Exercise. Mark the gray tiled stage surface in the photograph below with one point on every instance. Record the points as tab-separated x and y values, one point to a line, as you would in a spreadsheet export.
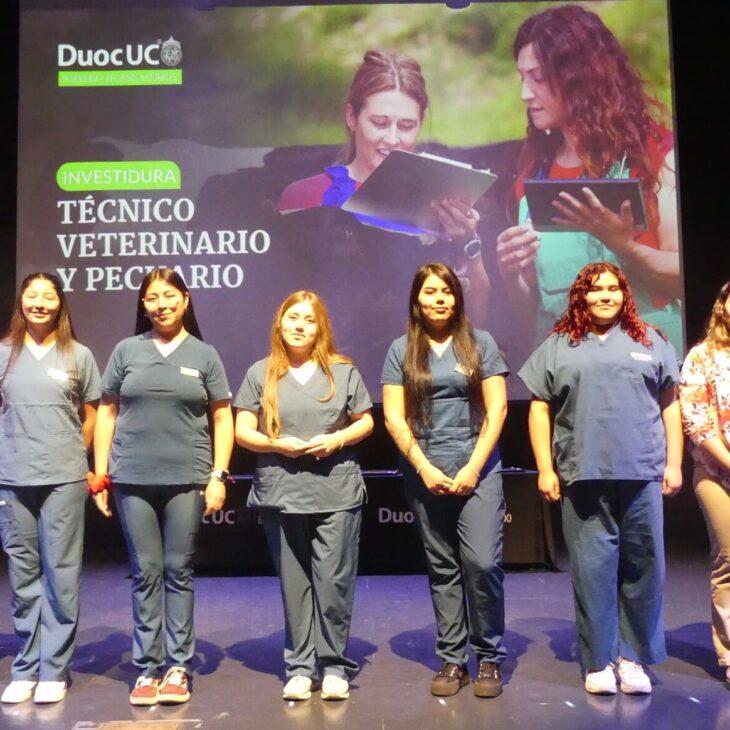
238	671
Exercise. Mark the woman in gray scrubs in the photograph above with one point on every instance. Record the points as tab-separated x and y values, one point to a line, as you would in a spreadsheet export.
445	402
160	391
301	410
49	391
609	380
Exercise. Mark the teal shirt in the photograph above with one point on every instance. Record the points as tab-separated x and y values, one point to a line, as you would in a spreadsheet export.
604	395
305	484
450	440
41	441
162	434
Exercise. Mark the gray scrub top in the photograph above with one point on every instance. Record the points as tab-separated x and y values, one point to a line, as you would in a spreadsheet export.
162	434
449	442
305	484
604	395
40	426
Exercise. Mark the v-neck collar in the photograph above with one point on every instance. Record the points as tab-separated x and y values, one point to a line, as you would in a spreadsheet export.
310	387
40	353
446	346
164	351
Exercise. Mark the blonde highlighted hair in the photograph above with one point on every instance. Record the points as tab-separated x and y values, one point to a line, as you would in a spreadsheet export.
324	354
717	334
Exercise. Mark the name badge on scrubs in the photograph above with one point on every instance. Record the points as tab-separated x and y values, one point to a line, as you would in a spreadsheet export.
642	356
59	375
461	369
192	372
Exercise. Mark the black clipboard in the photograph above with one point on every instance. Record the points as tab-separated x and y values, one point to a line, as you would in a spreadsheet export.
402	188
610	191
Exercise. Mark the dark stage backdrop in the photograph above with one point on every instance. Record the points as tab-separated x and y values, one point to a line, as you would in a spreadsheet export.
698	40
165	135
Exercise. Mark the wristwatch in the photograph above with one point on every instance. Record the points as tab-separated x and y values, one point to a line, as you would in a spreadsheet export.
473	248
220	474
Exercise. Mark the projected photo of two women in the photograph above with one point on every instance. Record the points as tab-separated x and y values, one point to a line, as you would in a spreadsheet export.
282	114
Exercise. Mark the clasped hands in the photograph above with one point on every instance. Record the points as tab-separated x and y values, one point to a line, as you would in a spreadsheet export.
319	446
437	482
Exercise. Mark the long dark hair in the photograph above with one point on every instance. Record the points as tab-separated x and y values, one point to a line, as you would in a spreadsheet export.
576	323
171	277
417	380
608	111
65	335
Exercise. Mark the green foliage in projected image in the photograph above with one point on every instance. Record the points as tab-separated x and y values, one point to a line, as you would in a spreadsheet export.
294	64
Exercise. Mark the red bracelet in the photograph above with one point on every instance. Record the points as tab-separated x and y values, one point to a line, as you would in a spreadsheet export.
96	483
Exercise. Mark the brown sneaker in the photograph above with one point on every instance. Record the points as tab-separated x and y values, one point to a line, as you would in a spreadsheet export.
145	692
174	689
449	680
488	682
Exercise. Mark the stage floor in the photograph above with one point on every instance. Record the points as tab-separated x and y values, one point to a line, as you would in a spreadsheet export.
238	672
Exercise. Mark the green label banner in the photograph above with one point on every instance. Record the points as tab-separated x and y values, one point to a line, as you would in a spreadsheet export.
131	175
125	77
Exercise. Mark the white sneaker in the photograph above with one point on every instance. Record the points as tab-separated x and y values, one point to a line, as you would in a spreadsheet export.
335	688
298	687
19	690
49	692
634	680
602	682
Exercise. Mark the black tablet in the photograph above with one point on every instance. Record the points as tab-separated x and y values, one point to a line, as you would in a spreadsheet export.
611	192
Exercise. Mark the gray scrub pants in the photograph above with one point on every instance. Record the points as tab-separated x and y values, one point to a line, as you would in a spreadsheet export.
42	530
462	537
161	526
614	534
316	559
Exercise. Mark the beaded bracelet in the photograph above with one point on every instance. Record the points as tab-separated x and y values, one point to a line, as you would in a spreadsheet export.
96	483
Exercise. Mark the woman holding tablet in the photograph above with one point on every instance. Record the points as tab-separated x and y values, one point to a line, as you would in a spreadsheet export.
589	116
384	111
704	393
444	400
301	410
152	446
606	432
49	390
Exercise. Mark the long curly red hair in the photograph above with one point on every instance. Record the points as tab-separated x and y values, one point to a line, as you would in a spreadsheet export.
576	323
608	111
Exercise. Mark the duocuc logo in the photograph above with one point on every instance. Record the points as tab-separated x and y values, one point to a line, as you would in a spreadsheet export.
128	65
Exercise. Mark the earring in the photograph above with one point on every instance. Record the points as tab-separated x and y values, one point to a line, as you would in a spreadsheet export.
548	132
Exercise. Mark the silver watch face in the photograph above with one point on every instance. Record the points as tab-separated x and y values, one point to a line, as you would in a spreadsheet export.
473	248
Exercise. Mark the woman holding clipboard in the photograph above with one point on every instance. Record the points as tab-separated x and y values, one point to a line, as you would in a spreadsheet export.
589	116
384	111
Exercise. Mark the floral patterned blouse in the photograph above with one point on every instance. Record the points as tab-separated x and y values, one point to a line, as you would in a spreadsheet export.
704	393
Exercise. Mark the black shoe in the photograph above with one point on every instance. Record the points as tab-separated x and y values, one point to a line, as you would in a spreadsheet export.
449	680
488	682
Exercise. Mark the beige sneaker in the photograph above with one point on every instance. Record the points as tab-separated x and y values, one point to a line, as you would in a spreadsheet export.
335	688
602	682
19	690
46	693
634	680
298	687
